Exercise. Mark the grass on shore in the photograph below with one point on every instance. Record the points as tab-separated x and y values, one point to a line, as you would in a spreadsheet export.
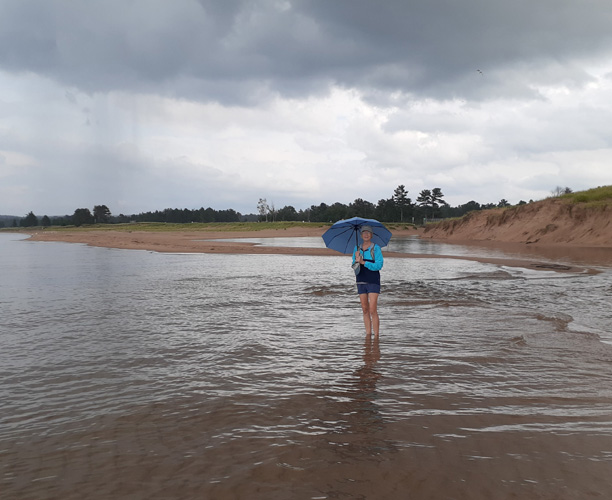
597	196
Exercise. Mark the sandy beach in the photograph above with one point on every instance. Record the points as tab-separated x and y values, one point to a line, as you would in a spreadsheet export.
186	241
215	242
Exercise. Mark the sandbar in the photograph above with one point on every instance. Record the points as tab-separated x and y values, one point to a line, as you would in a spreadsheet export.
216	242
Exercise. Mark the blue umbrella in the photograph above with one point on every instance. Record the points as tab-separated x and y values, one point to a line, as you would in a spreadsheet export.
344	235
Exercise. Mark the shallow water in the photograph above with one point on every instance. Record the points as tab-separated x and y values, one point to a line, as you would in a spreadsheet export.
132	374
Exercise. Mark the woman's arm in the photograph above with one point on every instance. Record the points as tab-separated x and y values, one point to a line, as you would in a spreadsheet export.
378	260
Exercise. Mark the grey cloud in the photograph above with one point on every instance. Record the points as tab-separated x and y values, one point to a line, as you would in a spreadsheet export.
120	176
468	90
242	51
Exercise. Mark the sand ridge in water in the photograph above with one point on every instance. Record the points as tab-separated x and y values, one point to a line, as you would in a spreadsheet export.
214	242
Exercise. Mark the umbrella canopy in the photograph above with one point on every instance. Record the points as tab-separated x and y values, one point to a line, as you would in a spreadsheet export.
345	234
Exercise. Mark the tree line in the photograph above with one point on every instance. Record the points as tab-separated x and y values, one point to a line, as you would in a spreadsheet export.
101	214
429	204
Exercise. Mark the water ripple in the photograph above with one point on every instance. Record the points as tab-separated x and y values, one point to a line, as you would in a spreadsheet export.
141	375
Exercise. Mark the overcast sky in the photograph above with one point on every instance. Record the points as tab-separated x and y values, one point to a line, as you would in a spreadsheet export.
150	104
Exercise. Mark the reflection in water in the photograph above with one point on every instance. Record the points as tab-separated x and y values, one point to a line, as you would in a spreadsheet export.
367	377
367	420
357	435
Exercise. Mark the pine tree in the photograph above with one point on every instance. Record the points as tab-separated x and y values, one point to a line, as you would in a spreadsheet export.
400	197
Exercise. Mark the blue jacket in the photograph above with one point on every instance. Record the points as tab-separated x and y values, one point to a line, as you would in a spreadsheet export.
369	272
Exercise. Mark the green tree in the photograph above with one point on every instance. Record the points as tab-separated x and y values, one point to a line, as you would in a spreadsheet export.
437	199
503	203
318	213
401	200
229	215
263	209
82	216
362	208
431	199
424	200
287	213
335	212
29	220
386	210
101	214
470	206
46	222
206	215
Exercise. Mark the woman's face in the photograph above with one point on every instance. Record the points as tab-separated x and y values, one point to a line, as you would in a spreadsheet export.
366	235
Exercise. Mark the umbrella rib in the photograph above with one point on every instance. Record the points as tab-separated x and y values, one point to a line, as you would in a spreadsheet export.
340	234
352	229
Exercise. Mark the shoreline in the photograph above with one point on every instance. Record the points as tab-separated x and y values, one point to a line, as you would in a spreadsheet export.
214	242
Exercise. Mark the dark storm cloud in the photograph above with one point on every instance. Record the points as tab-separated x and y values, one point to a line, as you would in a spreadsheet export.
245	51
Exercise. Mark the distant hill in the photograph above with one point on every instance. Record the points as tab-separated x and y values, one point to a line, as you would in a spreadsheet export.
582	219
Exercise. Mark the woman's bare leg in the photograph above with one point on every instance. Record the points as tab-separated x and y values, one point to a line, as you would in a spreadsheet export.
373	309
365	308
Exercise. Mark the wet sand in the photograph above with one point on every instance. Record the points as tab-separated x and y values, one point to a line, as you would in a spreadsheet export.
198	241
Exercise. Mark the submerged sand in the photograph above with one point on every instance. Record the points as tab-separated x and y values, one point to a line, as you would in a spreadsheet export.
207	241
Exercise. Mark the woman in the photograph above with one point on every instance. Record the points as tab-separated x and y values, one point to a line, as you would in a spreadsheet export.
370	258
